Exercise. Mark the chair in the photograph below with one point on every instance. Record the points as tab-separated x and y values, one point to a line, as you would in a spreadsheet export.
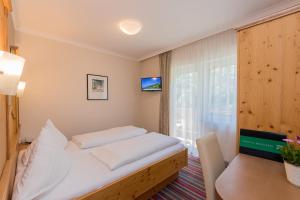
212	162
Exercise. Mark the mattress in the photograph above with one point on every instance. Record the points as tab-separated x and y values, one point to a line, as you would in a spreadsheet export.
88	174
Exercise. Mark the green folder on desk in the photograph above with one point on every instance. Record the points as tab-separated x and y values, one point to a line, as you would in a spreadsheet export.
261	144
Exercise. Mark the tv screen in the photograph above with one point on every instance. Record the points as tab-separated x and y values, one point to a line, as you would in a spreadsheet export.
151	84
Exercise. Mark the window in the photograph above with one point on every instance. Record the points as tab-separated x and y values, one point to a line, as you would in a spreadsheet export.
203	91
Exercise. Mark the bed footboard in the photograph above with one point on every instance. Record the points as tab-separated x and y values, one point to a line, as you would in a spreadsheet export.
143	183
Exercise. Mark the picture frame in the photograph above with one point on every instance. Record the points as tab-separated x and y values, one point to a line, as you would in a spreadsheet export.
97	87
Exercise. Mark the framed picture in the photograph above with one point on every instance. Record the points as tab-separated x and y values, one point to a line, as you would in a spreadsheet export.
97	87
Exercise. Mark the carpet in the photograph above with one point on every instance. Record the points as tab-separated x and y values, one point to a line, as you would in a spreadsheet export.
188	186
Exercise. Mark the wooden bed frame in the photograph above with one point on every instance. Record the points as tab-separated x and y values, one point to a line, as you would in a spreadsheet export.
140	185
144	183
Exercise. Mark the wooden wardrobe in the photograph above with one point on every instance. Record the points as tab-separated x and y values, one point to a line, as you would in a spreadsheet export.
4	10
9	117
269	76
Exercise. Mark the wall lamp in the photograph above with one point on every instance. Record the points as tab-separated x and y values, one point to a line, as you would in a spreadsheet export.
11	67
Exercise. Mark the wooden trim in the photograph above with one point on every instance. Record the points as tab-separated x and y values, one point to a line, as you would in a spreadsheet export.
3	135
238	95
7	5
15	111
12	136
7	127
7	173
7	178
151	192
141	184
274	16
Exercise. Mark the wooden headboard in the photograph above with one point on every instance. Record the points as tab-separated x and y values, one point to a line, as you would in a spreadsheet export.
9	134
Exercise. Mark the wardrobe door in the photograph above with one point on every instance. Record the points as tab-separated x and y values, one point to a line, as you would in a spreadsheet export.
260	76
3	130
290	120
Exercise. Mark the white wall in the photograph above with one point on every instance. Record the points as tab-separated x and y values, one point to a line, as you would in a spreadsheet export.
55	74
150	101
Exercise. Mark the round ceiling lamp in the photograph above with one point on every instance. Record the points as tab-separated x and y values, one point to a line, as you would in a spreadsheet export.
130	26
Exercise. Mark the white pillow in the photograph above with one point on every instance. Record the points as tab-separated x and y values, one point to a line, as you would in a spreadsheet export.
55	137
100	138
49	135
40	170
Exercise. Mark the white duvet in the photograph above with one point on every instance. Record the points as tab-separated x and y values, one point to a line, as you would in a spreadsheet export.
118	154
87	173
100	138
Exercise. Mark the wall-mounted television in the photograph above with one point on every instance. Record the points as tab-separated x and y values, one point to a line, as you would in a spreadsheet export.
151	84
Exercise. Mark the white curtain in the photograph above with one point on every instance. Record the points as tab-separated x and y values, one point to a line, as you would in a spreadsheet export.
203	92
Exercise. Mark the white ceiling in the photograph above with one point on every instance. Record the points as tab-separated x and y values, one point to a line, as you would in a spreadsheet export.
166	23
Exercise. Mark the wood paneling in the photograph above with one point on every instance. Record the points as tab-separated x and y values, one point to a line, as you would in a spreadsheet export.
3	46
3	145
8	177
7	5
290	116
12	124
3	26
154	190
12	118
8	134
269	76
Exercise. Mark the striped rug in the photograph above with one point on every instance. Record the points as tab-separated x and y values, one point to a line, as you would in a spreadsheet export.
188	186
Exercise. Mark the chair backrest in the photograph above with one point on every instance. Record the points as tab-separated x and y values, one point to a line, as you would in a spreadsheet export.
212	162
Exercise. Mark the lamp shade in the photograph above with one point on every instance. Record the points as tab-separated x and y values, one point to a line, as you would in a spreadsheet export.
130	26
21	88
11	67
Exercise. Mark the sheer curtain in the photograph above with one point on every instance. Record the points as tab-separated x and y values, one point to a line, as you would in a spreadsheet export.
203	91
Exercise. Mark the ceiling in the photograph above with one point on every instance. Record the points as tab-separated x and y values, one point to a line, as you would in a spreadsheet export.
166	23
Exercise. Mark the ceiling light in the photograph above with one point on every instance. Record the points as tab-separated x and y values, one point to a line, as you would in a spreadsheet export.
130	26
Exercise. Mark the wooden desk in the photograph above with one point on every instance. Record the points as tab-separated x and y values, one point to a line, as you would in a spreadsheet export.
253	178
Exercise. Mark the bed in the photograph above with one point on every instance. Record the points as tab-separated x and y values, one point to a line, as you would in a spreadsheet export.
91	179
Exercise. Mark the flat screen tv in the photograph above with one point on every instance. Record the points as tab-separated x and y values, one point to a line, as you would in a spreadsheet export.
151	84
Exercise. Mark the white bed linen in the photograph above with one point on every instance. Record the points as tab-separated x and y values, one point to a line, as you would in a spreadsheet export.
87	173
118	154
99	138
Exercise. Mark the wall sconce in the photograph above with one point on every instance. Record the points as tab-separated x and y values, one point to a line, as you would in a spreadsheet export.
11	67
21	88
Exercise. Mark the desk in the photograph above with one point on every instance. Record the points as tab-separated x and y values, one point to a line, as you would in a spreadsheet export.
253	178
